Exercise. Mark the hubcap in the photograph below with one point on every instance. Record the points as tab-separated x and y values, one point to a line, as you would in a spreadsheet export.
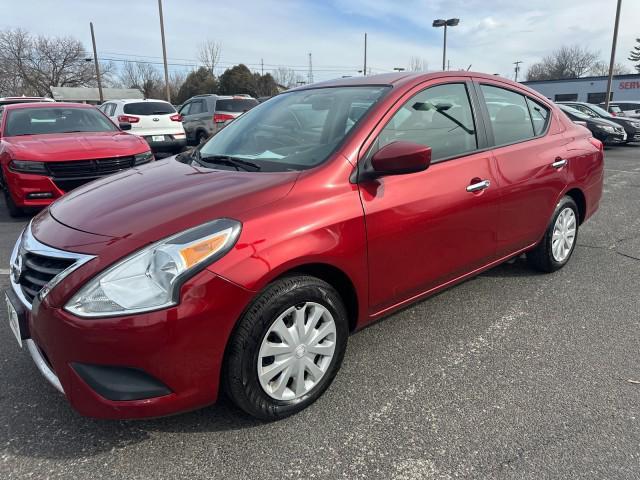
296	351
564	234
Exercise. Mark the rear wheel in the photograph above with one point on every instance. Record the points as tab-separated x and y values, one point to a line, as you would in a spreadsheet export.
201	137
556	247
287	348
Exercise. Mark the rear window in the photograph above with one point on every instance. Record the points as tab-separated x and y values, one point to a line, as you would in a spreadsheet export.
235	105
149	108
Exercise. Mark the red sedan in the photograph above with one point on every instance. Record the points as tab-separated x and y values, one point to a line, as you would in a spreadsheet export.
244	265
47	149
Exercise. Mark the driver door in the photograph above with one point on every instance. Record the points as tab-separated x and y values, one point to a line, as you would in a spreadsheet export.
428	228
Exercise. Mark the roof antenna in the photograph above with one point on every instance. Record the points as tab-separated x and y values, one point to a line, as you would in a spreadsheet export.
469	67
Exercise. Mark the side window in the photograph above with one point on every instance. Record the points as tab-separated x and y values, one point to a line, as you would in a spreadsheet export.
539	116
439	117
196	107
185	109
509	115
109	110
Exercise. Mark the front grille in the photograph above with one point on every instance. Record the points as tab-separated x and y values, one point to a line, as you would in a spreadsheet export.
89	168
38	270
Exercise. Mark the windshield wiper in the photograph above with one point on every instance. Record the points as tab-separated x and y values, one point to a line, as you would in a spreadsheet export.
227	160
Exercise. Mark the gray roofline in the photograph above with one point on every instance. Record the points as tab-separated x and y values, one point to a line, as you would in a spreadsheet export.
627	76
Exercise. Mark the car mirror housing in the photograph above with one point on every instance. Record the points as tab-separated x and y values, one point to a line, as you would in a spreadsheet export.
401	157
124	126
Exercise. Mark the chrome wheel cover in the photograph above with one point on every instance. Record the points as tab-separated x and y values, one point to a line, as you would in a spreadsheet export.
296	351
564	234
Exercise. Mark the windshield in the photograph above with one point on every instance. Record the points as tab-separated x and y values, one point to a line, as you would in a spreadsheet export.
148	108
600	111
36	121
296	130
574	112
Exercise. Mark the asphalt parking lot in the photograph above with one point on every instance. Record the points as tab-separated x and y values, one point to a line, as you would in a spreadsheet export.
513	374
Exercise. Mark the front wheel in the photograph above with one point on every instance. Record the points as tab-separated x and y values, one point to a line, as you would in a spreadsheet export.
287	348
14	210
556	247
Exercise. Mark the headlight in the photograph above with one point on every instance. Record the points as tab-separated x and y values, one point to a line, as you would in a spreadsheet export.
150	279
28	166
606	128
145	157
635	124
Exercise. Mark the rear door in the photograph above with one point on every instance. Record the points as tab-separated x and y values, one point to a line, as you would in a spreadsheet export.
427	228
531	162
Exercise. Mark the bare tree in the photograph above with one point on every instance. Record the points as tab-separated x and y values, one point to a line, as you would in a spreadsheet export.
565	62
417	64
38	63
209	54
144	77
176	80
601	68
286	77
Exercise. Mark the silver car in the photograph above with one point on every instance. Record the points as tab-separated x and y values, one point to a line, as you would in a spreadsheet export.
204	115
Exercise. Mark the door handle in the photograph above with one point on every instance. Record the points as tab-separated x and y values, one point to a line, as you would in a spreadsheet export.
476	187
559	163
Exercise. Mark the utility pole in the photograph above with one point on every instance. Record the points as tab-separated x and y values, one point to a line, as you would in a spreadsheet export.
517	64
262	66
613	56
164	54
310	74
95	59
365	55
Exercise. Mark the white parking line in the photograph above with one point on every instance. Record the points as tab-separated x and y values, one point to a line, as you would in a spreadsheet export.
4	271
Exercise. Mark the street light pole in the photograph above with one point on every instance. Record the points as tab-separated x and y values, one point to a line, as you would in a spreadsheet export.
613	56
95	60
164	54
451	22
517	64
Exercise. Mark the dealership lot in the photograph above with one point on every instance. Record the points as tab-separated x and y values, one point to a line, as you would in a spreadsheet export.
513	374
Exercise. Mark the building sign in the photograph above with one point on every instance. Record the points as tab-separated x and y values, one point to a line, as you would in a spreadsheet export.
629	85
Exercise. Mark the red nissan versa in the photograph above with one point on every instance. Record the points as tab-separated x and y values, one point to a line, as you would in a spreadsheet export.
243	266
47	149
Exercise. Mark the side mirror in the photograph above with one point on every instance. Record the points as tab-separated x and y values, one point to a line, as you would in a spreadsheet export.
401	157
124	126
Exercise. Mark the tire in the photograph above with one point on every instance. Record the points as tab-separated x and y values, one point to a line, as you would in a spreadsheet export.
254	334
14	210
542	257
201	137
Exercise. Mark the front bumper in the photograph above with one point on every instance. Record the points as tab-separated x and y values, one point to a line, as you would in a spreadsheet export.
23	187
180	348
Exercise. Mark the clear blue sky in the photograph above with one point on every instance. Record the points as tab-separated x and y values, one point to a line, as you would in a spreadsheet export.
492	33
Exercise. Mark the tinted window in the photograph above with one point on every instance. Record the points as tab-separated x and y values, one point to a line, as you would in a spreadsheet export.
235	105
186	109
293	131
597	97
197	106
439	117
539	115
566	97
33	121
148	108
509	115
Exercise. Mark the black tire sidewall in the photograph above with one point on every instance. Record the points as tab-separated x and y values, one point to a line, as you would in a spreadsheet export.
248	393
562	204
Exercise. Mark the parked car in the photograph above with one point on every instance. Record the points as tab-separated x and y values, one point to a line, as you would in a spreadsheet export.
244	265
23	99
48	149
154	120
607	132
204	115
629	108
630	125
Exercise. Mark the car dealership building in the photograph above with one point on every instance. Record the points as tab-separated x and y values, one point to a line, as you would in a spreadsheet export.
588	89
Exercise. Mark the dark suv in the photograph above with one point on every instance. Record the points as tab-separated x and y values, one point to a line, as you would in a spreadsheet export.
204	115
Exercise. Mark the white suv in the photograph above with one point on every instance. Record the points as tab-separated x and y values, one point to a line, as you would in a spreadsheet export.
155	120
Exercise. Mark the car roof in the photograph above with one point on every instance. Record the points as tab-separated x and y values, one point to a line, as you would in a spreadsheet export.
137	100
18	106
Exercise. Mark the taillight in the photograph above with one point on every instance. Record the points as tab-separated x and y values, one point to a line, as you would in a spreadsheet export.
222	117
128	119
176	118
613	114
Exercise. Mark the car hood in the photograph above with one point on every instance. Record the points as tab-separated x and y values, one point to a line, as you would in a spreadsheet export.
75	146
153	201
